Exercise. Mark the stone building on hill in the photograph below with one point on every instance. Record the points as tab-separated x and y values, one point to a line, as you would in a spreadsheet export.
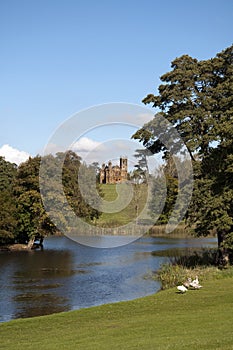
113	174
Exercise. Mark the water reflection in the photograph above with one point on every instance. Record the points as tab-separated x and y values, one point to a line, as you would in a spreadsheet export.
39	304
35	274
66	275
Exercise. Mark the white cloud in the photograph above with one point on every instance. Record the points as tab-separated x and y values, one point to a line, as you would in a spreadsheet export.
111	150
139	119
144	118
82	147
85	145
52	148
13	155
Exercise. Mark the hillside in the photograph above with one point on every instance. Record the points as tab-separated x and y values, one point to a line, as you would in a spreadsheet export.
128	213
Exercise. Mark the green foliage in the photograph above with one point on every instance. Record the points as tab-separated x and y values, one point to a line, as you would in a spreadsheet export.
214	193
75	174
193	258
91	193
163	197
196	97
32	219
8	221
165	188
189	263
7	174
23	216
172	275
7	202
141	172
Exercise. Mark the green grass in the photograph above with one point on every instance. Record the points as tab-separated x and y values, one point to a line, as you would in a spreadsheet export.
129	213
126	215
199	319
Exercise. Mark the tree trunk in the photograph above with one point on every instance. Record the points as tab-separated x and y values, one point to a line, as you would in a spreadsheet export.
223	253
41	243
30	243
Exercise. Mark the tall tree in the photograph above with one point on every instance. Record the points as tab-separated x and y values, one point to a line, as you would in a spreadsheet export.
8	212
33	222
196	97
141	168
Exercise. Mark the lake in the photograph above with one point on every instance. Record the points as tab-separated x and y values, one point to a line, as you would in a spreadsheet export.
67	276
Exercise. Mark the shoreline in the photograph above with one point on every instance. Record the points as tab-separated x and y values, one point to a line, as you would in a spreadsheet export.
156	232
18	247
15	247
143	323
82	308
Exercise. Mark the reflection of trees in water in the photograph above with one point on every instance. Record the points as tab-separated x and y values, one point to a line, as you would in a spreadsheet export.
38	280
36	304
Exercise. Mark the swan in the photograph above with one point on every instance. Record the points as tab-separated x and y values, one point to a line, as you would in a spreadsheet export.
187	283
195	283
182	289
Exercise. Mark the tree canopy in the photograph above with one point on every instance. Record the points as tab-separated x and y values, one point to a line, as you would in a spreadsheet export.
23	218
7	201
196	97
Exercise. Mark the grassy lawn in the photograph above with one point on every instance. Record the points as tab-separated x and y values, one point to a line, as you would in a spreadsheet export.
199	319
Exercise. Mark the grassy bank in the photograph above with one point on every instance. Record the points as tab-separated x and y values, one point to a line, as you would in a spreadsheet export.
180	231
167	320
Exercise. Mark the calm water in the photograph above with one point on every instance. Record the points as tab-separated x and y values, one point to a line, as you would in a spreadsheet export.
67	276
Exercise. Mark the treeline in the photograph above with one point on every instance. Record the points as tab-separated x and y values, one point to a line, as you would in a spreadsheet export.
23	218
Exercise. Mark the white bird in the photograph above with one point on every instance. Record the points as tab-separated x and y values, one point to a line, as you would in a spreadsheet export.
182	289
196	281
187	283
195	284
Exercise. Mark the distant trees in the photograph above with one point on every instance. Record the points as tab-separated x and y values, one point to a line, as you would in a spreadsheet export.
76	175
23	218
196	97
164	188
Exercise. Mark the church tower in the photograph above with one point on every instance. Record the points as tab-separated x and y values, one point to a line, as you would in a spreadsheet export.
124	168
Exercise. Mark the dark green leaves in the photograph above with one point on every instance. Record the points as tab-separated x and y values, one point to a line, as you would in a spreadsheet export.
196	97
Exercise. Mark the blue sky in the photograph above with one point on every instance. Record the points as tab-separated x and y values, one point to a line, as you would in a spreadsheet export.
59	57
